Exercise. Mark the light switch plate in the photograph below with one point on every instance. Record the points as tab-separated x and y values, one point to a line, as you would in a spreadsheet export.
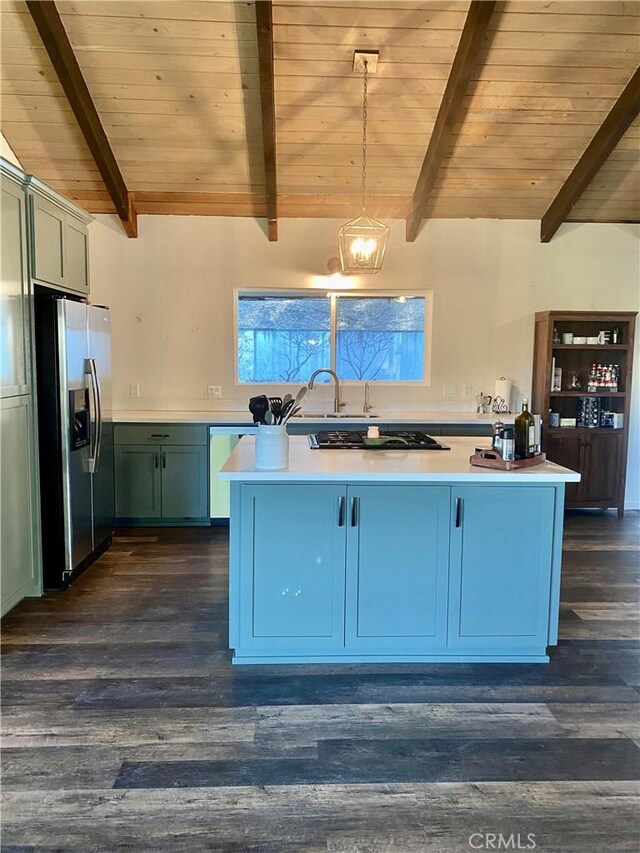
214	392
134	390
450	391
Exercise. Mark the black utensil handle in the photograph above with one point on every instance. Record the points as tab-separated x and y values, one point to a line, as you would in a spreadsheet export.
458	512
341	511
355	506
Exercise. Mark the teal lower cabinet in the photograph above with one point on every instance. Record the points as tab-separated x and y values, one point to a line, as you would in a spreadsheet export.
342	572
500	576
160	478
185	484
291	596
397	568
138	482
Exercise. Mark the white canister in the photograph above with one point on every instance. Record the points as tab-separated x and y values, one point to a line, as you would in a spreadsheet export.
272	447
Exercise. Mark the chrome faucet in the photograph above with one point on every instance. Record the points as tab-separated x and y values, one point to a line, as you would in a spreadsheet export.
366	405
337	403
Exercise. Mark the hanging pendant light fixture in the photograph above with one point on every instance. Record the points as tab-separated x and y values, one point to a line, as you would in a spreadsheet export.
363	241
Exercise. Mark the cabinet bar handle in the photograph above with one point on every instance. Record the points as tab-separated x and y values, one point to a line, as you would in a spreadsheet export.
341	511
156	459
159	435
458	512
164	459
354	511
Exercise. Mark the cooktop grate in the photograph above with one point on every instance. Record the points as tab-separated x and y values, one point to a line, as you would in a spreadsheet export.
355	440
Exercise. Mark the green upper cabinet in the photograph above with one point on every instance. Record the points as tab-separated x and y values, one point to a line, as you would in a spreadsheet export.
59	245
76	254
48	242
15	306
397	567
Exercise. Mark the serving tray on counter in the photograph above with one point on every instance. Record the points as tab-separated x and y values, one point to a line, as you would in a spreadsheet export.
487	458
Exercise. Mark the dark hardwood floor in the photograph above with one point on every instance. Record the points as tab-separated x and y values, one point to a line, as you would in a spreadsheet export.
126	728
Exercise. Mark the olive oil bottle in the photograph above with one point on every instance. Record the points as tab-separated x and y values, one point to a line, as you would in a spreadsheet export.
525	433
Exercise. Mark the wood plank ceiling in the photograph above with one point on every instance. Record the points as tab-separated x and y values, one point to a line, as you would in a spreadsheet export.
176	86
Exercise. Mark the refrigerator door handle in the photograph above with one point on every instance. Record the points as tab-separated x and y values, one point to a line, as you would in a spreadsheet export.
99	397
96	432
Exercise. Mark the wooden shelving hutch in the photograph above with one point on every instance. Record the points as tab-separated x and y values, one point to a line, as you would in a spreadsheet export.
598	453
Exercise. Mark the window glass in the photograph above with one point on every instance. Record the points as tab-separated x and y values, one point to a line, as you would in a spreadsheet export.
285	336
282	338
380	338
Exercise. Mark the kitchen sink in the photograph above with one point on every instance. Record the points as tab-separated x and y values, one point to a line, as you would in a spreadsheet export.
353	415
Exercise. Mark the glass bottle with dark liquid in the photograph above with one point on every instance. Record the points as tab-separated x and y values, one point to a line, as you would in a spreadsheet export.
525	433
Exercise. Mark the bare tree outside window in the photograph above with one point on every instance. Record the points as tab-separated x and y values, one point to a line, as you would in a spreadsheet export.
380	338
282	338
285	337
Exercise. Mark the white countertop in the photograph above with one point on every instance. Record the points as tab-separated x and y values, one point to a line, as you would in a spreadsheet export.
388	466
227	418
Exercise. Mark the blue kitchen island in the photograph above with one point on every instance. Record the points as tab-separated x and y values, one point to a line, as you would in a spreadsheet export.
381	556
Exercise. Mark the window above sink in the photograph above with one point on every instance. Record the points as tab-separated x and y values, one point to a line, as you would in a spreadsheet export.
284	336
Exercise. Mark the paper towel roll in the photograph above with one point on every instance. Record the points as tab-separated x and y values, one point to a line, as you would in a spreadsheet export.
503	389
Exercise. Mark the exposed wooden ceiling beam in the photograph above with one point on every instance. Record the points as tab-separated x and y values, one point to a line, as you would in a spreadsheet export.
451	107
607	137
56	42
264	21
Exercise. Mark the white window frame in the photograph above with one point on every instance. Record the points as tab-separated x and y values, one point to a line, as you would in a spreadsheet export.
334	295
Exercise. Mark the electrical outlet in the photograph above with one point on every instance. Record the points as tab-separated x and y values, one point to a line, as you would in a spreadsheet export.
214	392
134	390
467	391
450	391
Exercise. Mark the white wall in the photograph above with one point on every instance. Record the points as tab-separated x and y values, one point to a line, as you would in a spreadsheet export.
7	152
171	292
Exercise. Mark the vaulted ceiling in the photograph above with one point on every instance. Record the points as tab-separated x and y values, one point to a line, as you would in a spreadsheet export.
182	92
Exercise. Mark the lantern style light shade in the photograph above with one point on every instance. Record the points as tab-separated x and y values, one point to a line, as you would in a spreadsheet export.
362	243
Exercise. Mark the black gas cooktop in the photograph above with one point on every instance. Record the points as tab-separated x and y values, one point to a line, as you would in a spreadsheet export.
389	440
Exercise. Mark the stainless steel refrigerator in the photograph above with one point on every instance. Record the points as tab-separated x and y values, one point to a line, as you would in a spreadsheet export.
73	365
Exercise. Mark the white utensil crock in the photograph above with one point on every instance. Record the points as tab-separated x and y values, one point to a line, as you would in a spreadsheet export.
272	447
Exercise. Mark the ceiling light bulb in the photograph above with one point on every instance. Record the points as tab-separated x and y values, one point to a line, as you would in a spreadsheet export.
362	248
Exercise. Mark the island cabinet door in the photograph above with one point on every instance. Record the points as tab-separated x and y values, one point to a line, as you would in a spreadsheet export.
292	568
500	575
397	567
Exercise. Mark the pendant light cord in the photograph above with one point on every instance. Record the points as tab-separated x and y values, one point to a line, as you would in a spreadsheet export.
364	134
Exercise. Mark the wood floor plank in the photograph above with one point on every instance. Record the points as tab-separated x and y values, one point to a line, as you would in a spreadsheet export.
571	817
379	761
68	728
